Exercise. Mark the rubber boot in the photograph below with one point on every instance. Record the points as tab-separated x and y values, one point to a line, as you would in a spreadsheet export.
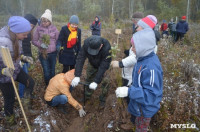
26	103
62	108
10	120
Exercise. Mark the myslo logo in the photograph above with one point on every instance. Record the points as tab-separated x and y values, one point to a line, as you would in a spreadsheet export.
182	125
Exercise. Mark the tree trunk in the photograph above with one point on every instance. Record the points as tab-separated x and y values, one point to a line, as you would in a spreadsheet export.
21	2
131	3
188	8
113	4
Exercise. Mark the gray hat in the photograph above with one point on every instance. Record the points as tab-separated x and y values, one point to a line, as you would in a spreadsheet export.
94	44
74	19
138	15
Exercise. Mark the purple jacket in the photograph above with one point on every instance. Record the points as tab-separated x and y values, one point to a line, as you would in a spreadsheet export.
50	30
6	42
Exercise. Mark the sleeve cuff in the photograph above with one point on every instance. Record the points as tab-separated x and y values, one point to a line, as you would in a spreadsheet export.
121	64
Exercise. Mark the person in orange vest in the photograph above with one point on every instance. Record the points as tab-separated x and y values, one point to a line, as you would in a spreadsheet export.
58	92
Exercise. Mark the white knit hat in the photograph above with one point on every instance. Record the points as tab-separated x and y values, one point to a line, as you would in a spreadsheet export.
47	15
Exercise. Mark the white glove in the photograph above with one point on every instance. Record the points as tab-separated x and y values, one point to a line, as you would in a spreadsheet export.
93	86
27	59
44	46
121	92
7	72
75	81
82	112
115	64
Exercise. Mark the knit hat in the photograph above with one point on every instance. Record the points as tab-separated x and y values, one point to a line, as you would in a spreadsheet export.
148	21
18	24
31	19
74	19
183	17
94	44
138	15
47	15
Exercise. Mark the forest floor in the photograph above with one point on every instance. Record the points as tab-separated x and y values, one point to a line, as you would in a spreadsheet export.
112	118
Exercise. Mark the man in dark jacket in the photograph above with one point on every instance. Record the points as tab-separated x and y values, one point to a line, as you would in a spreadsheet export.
96	26
96	49
181	28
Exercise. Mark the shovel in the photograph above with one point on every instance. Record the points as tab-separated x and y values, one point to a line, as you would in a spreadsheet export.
84	86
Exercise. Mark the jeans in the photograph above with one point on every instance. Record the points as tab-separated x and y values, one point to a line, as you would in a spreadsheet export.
21	86
48	66
59	99
9	93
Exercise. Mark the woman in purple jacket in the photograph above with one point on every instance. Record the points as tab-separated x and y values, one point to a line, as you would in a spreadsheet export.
11	36
46	28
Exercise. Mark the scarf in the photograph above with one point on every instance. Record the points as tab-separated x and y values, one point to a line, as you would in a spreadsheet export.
72	36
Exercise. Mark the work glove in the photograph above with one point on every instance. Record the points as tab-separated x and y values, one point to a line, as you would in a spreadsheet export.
82	112
75	81
93	86
115	64
121	92
44	46
7	72
27	59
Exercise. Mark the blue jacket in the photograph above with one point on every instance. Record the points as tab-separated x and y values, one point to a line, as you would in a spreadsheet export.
182	27
146	91
96	27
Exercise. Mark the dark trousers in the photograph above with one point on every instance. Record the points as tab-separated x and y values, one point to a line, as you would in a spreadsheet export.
67	68
179	36
8	92
91	73
48	66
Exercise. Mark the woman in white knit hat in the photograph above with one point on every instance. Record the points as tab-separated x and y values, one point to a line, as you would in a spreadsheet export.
46	28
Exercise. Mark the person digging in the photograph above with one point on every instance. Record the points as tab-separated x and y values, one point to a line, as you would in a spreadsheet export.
58	93
96	49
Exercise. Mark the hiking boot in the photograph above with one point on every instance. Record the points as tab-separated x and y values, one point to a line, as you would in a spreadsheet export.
62	108
10	120
26	103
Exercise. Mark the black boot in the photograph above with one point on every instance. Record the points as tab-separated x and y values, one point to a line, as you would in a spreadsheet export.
62	108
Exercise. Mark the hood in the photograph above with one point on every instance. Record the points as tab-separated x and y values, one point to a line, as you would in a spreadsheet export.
182	21
144	42
98	18
69	76
4	32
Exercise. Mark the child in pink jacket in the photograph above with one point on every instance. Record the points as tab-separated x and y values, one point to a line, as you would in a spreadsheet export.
47	48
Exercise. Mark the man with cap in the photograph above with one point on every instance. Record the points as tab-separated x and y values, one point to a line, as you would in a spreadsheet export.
96	49
146	91
26	47
11	36
69	44
181	28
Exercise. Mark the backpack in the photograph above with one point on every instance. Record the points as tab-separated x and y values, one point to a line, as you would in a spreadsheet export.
173	27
